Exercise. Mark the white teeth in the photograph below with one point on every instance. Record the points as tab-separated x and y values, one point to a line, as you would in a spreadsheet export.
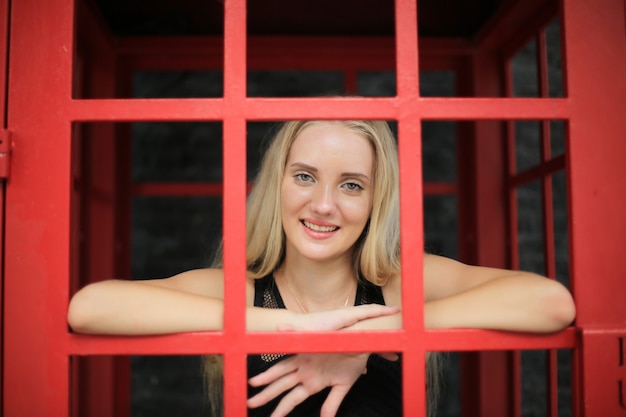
317	228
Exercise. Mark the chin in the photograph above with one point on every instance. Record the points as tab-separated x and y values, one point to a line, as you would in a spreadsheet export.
322	255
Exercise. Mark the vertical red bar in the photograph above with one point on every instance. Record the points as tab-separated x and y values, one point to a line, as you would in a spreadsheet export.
350	81
407	63
412	248
411	207
546	181
4	44
548	217
483	230
101	384
595	67
515	379
234	226
38	209
511	164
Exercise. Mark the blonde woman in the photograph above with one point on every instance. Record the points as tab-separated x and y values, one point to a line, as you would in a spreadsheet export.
323	254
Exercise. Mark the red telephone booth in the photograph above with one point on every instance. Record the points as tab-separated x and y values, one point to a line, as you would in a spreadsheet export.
68	112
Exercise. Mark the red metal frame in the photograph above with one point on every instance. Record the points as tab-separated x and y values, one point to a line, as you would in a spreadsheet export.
38	209
597	184
50	198
4	46
543	172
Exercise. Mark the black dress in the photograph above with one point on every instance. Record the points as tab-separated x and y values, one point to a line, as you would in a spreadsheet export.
378	393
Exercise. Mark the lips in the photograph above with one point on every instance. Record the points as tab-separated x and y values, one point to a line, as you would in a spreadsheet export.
319	228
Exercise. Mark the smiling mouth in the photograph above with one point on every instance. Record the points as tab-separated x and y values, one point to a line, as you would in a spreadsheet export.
317	228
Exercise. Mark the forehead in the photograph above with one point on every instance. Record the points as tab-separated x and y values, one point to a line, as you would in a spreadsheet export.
331	140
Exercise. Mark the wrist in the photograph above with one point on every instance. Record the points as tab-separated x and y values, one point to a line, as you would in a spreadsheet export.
390	322
260	319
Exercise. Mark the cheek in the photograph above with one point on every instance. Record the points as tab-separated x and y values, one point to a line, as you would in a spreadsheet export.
358	211
284	209
284	191
292	205
291	198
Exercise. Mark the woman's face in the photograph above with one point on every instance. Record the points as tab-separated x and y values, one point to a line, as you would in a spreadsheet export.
326	193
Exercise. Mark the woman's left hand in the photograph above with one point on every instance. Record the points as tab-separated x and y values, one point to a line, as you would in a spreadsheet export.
306	374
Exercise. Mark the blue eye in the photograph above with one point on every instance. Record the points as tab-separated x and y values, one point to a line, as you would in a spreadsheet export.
352	186
301	176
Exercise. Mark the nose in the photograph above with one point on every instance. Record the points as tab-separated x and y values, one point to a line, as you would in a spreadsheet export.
323	200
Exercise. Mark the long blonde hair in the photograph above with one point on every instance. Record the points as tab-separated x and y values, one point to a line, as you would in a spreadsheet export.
377	254
378	249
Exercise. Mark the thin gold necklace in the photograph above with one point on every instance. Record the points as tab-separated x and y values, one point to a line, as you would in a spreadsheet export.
304	310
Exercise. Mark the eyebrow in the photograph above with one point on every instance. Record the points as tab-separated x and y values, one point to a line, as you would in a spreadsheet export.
302	165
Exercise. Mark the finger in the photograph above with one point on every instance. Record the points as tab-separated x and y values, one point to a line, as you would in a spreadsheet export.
368	311
291	400
334	400
375	310
278	370
273	390
351	315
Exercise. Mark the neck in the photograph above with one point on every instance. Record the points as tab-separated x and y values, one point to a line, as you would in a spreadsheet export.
316	287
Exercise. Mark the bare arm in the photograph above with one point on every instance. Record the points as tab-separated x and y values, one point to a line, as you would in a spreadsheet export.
188	302
138	308
463	296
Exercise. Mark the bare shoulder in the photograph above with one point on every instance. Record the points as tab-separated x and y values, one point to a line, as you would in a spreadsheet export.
439	275
444	277
433	265
207	281
435	262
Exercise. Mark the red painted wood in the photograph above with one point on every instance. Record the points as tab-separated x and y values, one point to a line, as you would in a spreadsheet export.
209	189
329	108
286	53
172	189
548	219
235	393
4	44
38	232
214	342
595	173
597	190
37	229
604	372
411	216
488	379
545	169
514	24
101	383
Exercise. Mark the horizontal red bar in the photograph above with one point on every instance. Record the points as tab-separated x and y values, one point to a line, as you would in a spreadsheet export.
475	339
214	189
292	342
439	188
537	172
177	189
180	189
293	49
375	108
